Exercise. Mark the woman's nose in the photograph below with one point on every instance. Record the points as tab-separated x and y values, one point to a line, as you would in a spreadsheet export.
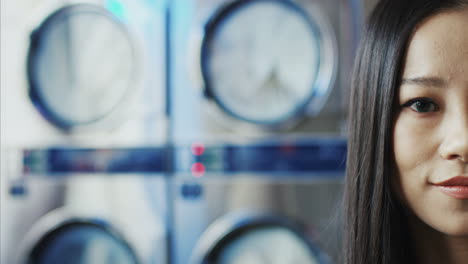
455	143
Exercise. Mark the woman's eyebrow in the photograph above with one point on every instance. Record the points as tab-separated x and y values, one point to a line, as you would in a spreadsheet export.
425	81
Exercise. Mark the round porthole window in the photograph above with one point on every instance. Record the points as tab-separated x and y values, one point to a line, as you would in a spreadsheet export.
81	243
263	61
81	65
265	245
256	239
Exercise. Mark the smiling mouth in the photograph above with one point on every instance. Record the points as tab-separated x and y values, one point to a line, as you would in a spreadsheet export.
456	187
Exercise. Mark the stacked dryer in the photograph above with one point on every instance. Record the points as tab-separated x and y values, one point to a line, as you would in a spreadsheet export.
263	202
83	75
258	96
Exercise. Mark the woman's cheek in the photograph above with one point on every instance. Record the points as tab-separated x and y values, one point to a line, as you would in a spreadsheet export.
413	140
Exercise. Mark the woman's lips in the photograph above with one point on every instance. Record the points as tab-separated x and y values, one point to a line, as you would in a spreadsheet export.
456	187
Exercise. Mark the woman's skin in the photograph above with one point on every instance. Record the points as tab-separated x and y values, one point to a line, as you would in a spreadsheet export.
430	139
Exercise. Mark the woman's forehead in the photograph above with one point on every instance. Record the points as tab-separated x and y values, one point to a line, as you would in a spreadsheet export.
439	48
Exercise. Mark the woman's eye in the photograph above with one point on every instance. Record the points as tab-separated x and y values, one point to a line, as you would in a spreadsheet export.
421	105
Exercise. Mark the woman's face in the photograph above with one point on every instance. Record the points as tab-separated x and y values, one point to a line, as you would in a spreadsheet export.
430	138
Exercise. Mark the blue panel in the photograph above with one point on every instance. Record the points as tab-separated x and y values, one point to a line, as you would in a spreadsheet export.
18	190
312	156
294	156
191	191
265	157
68	160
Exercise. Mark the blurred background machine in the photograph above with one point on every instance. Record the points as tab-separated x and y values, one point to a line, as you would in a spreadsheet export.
266	202
261	87
80	81
250	69
86	206
83	72
174	131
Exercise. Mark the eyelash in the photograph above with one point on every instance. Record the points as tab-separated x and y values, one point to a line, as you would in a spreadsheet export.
414	101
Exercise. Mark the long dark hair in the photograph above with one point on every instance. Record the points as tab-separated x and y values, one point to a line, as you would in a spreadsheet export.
375	228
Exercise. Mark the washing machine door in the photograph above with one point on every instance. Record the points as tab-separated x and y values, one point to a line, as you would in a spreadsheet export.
79	242
256	240
266	61
81	65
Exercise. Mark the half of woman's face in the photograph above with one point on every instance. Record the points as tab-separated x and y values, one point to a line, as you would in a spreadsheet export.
430	138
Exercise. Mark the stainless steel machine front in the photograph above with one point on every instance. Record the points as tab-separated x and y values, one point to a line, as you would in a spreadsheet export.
86	72
88	76
260	203
269	72
255	68
86	206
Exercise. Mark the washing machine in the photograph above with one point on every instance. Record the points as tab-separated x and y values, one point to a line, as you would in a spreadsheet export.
83	72
262	202
258	114
250	69
83	87
86	206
